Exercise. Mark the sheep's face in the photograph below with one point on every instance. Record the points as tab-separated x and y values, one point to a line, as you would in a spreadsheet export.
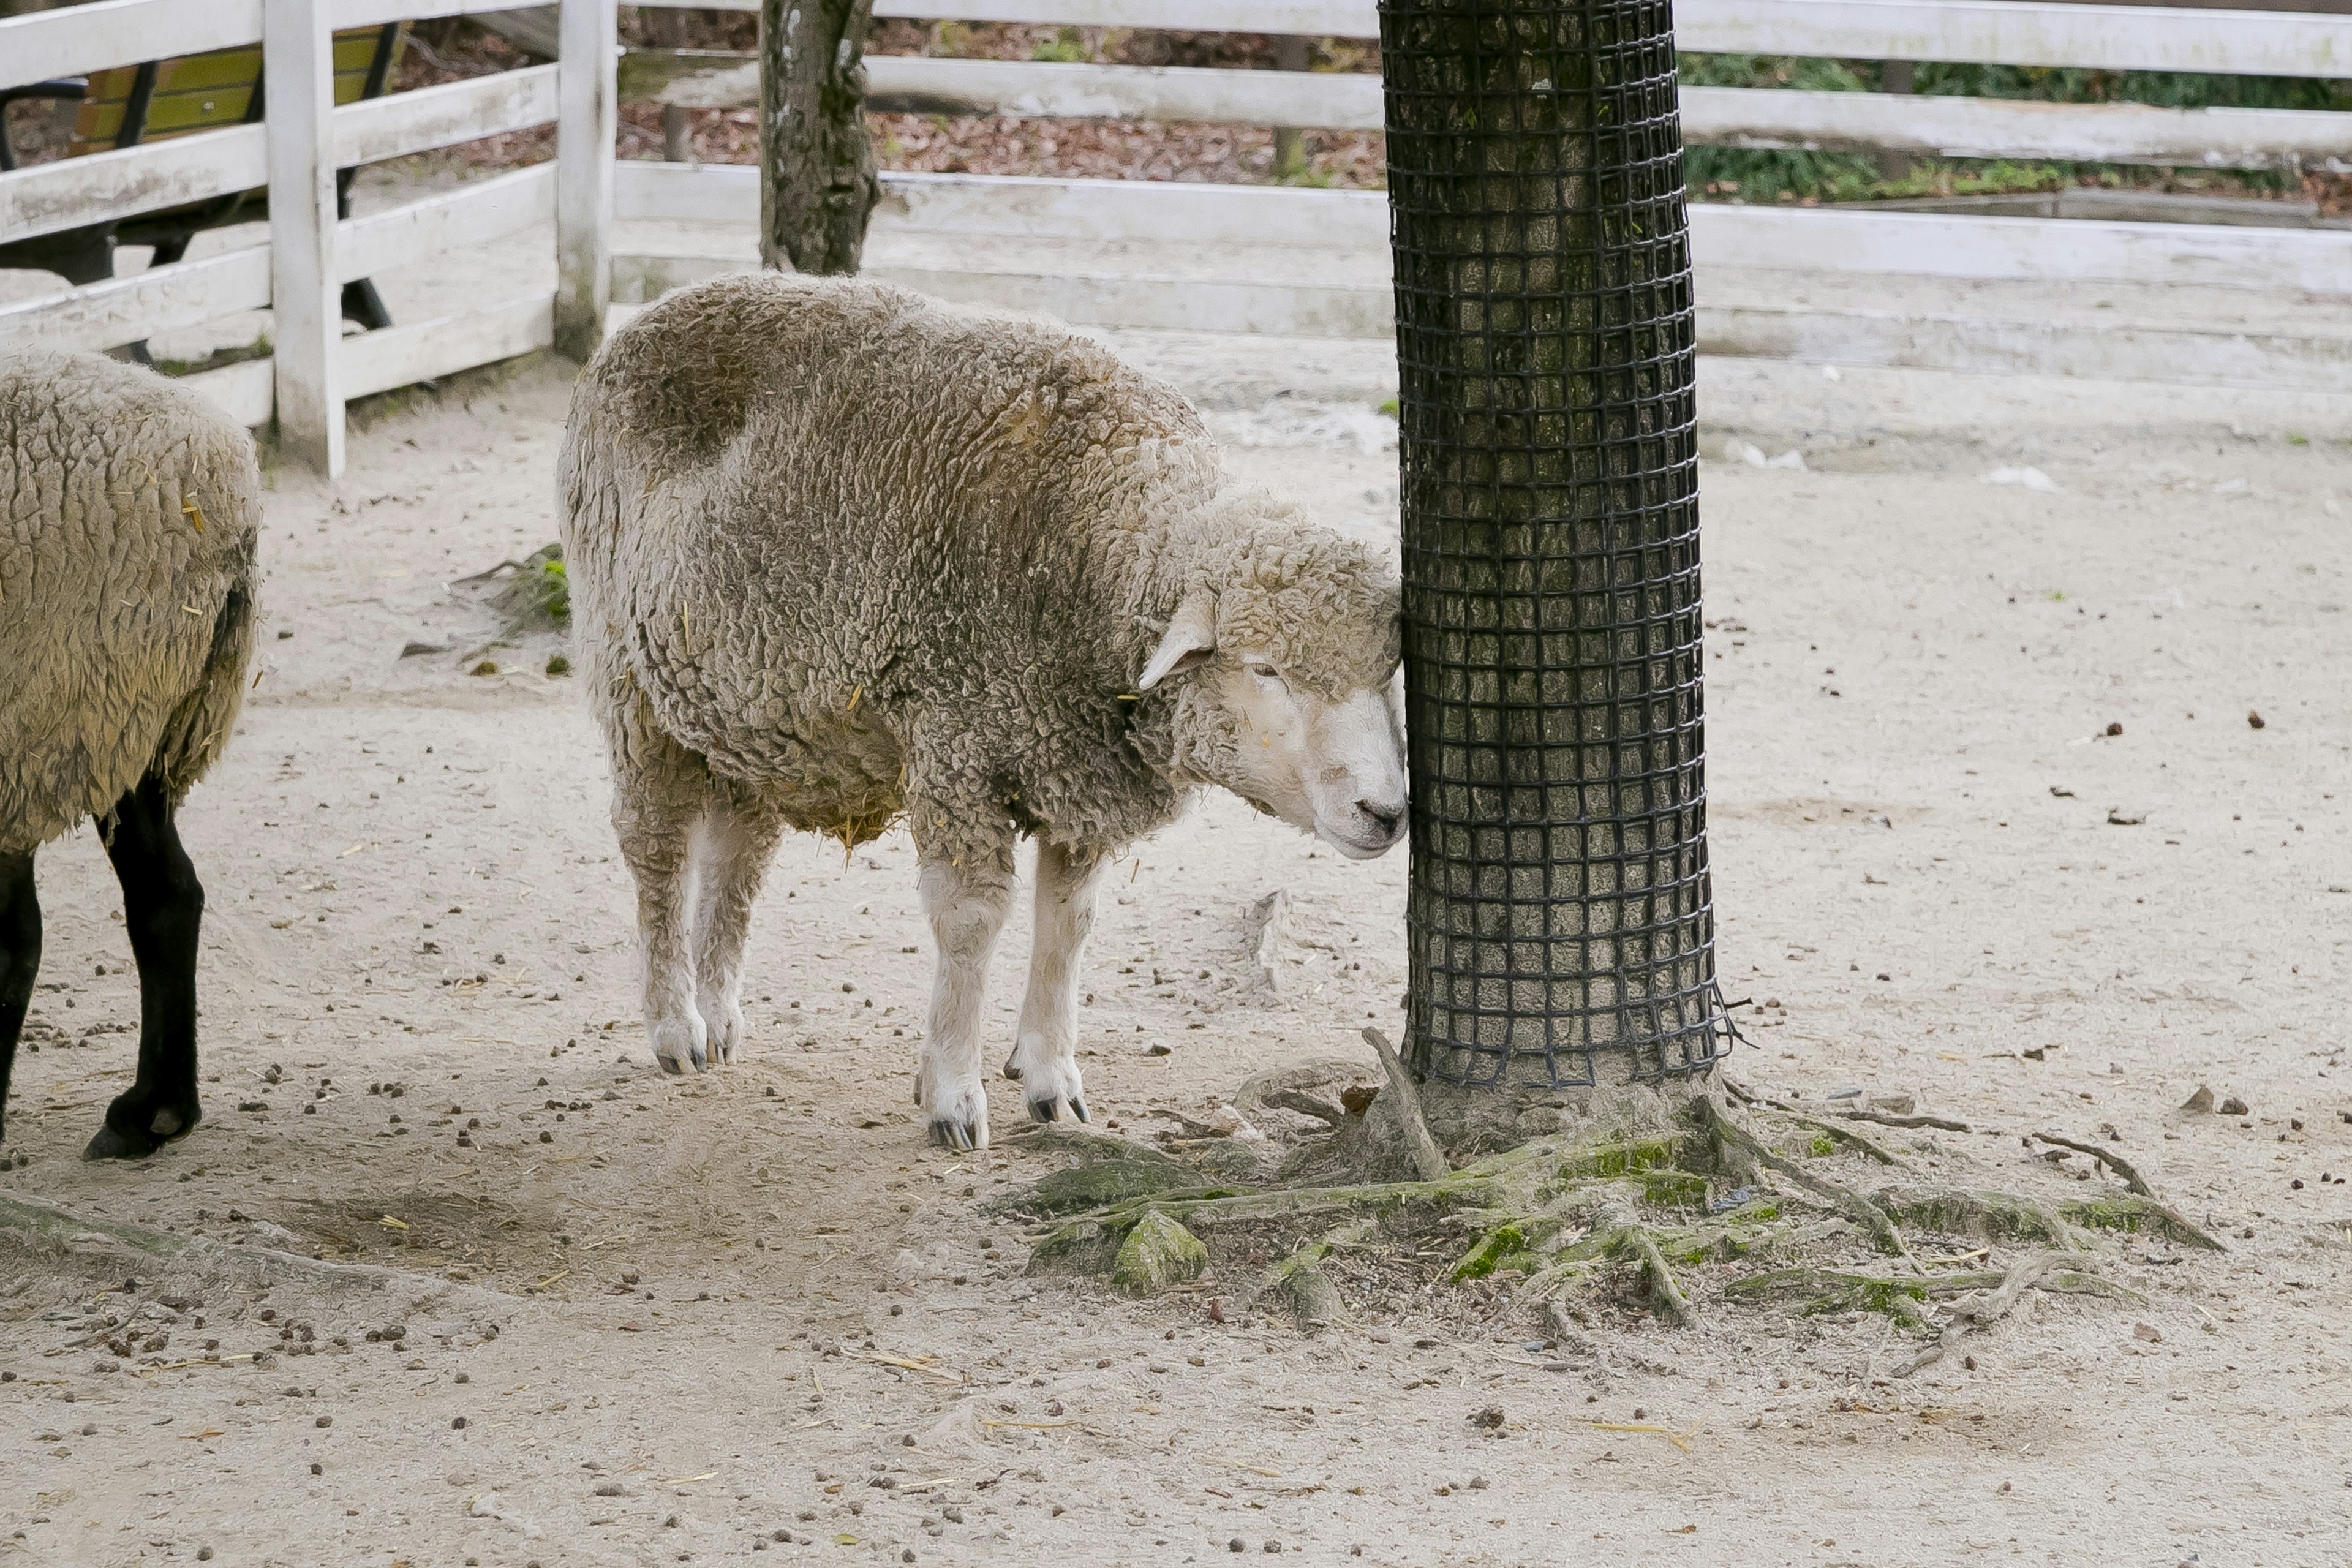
1292	701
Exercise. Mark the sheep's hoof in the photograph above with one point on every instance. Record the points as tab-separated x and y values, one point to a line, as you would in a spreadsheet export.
123	1138
951	1134
1051	1109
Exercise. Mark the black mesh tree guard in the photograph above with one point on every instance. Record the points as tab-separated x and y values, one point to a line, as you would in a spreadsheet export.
1559	908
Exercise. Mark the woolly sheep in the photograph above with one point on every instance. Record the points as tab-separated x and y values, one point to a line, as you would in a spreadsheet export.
126	620
838	551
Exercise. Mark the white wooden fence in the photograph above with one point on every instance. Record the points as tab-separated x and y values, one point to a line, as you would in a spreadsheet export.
925	213
994	239
295	153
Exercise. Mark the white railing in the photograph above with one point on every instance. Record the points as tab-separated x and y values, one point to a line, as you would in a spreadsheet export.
302	141
1136	290
2104	37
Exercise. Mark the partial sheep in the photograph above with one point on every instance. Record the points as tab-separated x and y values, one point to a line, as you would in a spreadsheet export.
126	621
838	551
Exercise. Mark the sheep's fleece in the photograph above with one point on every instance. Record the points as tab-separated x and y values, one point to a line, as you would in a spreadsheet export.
126	587
838	550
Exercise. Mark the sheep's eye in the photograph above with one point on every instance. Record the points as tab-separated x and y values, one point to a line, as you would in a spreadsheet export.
1265	671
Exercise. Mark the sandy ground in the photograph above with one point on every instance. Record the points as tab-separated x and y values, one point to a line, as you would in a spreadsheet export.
633	1319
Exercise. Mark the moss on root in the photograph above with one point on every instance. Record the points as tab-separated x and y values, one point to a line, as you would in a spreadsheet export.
1661	1218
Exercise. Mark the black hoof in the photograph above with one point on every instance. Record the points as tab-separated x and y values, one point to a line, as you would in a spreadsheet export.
1012	1072
951	1135
1051	1109
123	1138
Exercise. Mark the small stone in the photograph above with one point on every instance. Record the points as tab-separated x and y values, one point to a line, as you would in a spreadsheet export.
1274	1546
907	1441
2233	1106
203	1553
457	1424
323	1422
317	1469
1491	1418
1158	1252
608	1489
2147	1332
1237	1545
2255	720
2202	1102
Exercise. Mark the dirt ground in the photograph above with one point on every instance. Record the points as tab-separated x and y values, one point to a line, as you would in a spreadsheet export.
572	1311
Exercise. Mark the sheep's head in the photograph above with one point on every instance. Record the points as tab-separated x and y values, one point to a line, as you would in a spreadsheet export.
1286	651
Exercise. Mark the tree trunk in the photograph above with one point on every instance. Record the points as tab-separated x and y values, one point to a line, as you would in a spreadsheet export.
816	168
1558	912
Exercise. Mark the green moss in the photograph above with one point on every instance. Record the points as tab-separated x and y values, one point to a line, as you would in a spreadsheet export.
1675	1189
1157	1252
1104	1183
1631	1157
1504	1247
1822	1146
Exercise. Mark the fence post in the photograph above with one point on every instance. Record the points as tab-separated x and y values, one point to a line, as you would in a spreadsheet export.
306	297
586	122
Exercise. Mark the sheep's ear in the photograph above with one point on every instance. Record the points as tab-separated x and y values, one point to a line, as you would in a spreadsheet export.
1191	639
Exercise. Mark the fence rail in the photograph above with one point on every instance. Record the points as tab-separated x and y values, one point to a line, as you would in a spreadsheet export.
1986	32
295	153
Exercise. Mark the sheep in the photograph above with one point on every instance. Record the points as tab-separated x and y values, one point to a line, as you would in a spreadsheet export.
840	554
126	621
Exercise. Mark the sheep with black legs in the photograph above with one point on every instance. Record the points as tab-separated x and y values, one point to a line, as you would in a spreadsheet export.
127	511
838	553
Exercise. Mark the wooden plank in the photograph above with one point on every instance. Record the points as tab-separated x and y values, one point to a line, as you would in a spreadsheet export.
403	356
245	392
405	123
104	186
585	127
1841	240
143	305
1996	128
1333	18
913	84
2317	359
1044	208
1941	245
1735	116
1993	31
80	39
2002	32
375	13
306	295
470	215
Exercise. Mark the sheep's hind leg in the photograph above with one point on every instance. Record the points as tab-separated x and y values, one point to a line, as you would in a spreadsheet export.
659	790
1044	1056
739	835
163	908
20	961
965	896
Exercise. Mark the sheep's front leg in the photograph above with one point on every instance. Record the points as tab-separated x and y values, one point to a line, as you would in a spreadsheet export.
1044	1056
739	837
965	895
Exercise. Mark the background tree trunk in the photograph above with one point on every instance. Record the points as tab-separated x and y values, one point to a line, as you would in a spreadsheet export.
1558	912
816	168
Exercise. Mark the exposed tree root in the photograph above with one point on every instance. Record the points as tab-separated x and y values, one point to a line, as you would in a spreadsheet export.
1568	1216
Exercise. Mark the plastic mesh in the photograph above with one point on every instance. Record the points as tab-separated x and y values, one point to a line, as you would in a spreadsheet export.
1558	905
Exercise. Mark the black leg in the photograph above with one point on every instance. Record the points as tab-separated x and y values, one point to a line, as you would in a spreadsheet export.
163	904
363	304
20	960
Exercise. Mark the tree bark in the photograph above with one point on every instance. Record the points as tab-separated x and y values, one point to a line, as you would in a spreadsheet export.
1557	909
818	183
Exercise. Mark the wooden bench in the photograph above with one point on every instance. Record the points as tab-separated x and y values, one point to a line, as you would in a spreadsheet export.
132	105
